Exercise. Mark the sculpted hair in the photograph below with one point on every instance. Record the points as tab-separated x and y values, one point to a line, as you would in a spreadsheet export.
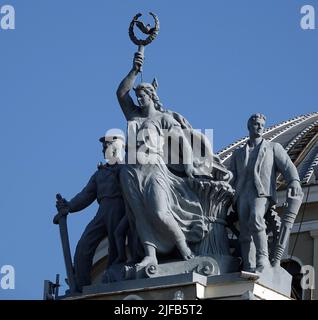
151	92
255	117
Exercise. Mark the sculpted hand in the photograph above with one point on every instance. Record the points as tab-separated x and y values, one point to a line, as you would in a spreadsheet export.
189	170
56	219
294	188
138	61
62	204
62	207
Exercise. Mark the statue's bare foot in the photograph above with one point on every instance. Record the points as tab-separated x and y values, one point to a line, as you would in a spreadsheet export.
185	251
189	256
147	260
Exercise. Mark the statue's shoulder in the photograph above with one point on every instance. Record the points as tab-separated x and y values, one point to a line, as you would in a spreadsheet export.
163	120
101	166
278	148
107	166
169	119
239	150
274	145
106	170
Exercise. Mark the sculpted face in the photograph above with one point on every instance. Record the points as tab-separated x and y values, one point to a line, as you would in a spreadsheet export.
256	128
144	100
109	150
113	151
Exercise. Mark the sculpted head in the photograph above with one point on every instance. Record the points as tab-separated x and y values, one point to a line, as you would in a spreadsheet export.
113	148
147	95
256	125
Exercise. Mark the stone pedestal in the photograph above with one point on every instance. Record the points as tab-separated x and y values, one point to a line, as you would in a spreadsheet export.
193	286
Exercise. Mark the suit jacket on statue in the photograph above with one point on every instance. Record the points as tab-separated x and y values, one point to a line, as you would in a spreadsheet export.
271	160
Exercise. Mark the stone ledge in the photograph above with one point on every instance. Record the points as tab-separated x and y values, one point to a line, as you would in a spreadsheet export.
191	286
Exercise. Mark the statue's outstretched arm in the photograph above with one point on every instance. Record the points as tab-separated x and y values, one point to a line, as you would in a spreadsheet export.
124	98
84	198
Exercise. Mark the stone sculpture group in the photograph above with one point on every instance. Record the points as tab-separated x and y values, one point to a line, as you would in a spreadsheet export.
169	205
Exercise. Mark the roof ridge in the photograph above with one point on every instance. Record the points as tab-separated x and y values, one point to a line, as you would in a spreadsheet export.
300	135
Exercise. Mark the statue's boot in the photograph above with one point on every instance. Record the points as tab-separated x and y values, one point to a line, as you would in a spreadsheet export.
248	253
260	241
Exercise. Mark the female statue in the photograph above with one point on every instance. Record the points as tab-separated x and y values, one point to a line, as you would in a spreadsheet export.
160	205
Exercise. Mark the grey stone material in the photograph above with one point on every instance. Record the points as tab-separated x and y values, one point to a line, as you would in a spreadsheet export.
172	280
176	216
276	278
176	210
255	168
104	187
61	219
201	265
162	207
248	295
194	286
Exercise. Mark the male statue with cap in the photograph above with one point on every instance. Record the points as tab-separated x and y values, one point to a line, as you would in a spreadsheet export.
104	187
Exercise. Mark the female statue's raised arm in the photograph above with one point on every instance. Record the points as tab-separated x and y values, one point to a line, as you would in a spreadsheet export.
126	102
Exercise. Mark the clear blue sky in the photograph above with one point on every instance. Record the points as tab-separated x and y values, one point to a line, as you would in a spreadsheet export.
216	62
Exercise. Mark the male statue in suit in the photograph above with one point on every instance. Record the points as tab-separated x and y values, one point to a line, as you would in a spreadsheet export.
255	167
